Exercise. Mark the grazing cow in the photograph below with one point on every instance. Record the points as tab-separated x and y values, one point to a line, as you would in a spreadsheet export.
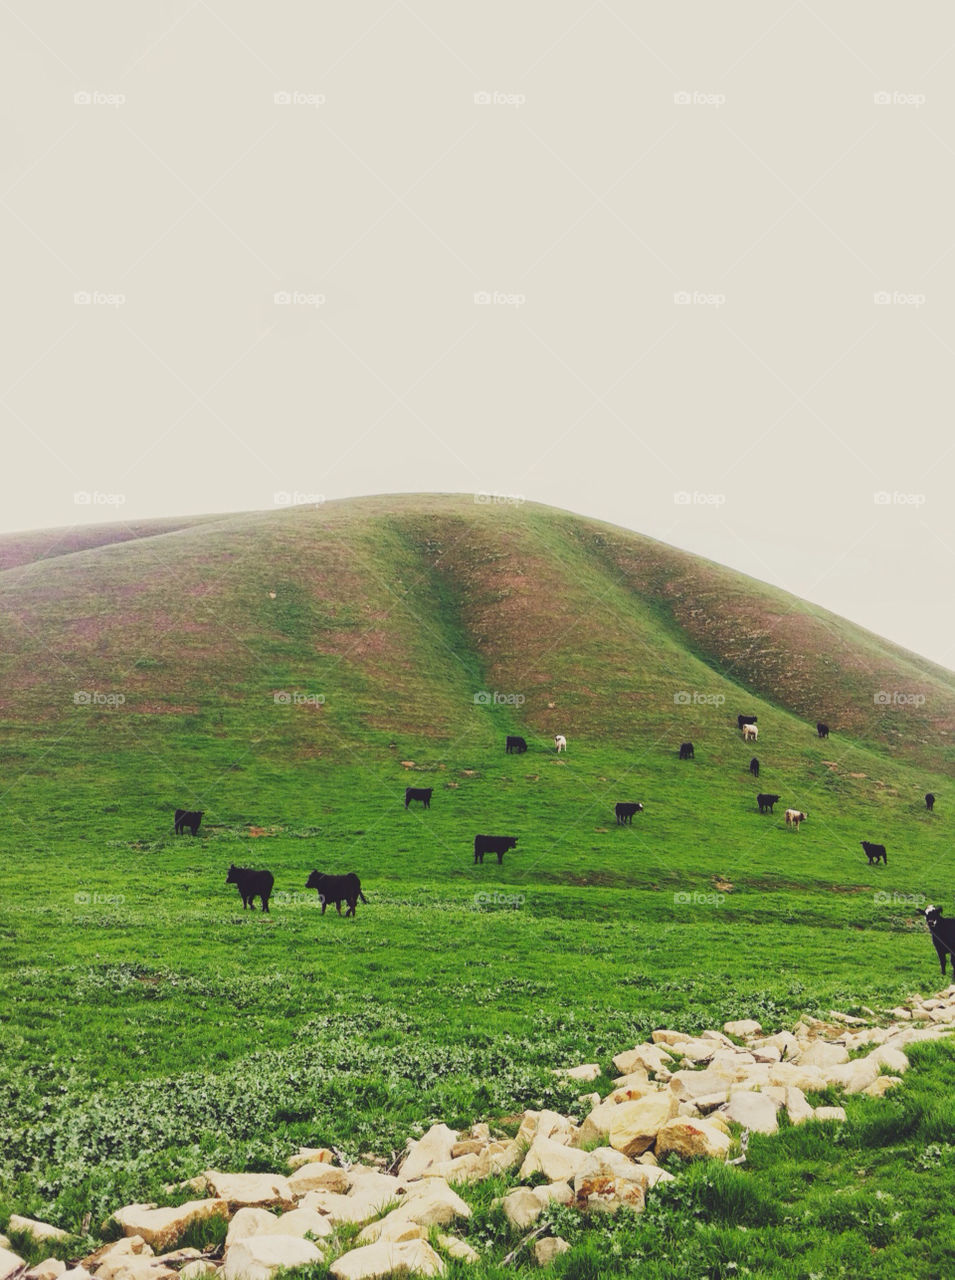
794	817
337	889
492	844
742	720
766	802
625	813
251	885
874	852
419	793
686	751
930	802
822	730
943	934
515	746
750	733
754	767
187	818
560	742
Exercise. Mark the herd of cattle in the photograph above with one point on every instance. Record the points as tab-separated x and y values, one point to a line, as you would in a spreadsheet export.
337	889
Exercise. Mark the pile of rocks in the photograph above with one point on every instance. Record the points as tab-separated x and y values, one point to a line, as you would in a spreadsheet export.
674	1093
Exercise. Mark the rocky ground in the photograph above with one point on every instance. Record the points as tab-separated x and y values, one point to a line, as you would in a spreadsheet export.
688	1095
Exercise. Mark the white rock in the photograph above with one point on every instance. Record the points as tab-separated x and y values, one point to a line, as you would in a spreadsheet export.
637	1124
546	1250
753	1111
299	1222
521	1207
742	1027
306	1155
881	1086
797	1108
260	1257
558	1163
38	1230
830	1113
249	1222
854	1076
646	1057
458	1248
250	1190
820	1053
49	1269
437	1205
317	1175
894	1059
586	1072
375	1260
693	1138
163	1227
434	1148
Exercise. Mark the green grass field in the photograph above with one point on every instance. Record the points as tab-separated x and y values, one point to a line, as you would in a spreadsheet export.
151	1028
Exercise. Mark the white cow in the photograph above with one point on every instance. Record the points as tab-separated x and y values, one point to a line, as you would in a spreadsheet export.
750	733
794	817
560	742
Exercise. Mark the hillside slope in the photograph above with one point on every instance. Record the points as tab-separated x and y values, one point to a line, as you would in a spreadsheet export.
398	610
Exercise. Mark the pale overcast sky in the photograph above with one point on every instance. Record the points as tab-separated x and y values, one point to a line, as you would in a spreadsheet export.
684	267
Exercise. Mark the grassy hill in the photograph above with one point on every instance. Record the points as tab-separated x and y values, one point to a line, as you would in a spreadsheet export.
290	673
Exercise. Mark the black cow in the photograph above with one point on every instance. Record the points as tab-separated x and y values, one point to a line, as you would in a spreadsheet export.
625	813
822	730
754	767
187	818
251	885
515	746
337	889
419	793
766	802
741	720
492	844
874	852
686	751
930	802
943	934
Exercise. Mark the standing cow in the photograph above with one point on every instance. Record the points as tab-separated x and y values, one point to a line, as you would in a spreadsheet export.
492	844
337	889
750	733
251	885
560	742
625	813
794	817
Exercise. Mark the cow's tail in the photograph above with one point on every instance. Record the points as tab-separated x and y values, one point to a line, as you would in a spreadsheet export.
363	898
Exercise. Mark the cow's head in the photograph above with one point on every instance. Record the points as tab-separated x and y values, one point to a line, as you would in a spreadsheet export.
231	877
314	881
932	916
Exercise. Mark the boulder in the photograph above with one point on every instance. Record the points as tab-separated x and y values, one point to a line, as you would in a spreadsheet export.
260	1257
694	1050
667	1037
395	1228
586	1072
522	1208
129	1245
469	1147
250	1190
558	1163
436	1205
161	1228
459	1249
473	1167
608	1179
198	1270
820	1053
49	1269
338	1208
317	1175
135	1267
552	1125
79	1272
689	1138
754	1111
434	1148
638	1123
688	1085
829	1113
596	1126
39	1231
797	1108
890	1057
374	1260
808	1079
249	1222
646	1057
503	1155
383	1187
854	1076
11	1264
299	1222
306	1155
546	1250
881	1085
745	1028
